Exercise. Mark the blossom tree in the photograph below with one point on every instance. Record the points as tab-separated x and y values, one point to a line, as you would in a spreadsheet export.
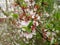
31	22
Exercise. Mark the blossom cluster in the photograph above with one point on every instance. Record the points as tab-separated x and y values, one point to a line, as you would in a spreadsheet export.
28	17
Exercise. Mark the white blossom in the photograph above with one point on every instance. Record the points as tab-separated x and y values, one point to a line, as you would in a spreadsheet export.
24	23
2	15
47	14
19	31
33	3
33	16
48	34
28	36
31	12
59	6
35	9
26	0
38	17
52	40
36	23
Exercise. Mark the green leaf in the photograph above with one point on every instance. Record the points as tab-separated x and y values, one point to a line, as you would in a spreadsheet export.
24	4
27	29
30	24
49	25
15	16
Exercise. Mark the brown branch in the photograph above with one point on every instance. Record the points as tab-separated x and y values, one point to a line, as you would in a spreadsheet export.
41	34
